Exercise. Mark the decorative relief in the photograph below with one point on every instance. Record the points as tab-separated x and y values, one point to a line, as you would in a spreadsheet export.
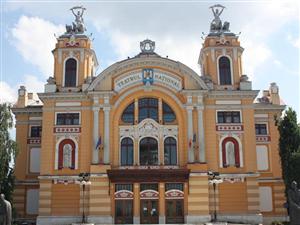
67	129
124	194
263	138
229	128
148	127
149	194
233	179
174	194
33	140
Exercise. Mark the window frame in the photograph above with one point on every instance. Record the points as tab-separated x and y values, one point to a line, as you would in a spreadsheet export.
267	130
163	113
64	71
240	112
68	112
148	106
30	131
123	113
120	161
139	151
231	70
176	150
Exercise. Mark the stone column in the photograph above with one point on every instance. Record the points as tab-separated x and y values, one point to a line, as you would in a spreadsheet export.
95	136
201	138
136	204
161	207
191	156
106	135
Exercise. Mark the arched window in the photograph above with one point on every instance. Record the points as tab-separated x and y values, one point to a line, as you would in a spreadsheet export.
148	151
168	113
170	149
230	152
66	154
148	108
128	114
70	72
126	152
224	71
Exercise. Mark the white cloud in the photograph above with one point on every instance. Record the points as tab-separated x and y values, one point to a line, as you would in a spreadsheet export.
34	38
32	84
8	93
293	41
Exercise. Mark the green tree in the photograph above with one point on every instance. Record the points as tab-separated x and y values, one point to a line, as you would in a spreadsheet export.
8	151
289	147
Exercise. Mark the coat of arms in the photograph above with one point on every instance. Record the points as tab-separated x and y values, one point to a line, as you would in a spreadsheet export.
147	76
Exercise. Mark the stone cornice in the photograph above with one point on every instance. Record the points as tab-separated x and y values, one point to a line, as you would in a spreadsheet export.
228	94
268	107
28	110
63	95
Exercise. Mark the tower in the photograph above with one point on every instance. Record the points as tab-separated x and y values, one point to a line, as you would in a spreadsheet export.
221	56
74	59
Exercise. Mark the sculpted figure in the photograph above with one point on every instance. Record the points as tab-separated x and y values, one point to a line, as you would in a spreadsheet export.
294	204
5	211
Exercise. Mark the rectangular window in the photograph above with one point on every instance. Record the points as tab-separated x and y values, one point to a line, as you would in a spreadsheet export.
34	166
260	128
149	186
122	187
229	117
262	157
174	186
67	119
35	131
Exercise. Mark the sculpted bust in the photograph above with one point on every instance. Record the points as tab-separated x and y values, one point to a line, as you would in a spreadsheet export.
5	211
294	204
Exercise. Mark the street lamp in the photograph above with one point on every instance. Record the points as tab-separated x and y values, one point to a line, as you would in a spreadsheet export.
84	179
214	179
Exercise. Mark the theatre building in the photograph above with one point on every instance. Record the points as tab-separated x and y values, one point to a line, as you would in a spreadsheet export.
151	136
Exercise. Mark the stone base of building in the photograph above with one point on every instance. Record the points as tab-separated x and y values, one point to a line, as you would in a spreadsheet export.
59	220
197	219
269	219
241	218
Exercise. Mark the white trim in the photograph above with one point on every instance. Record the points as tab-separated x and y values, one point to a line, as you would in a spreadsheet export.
228	102
120	148
68	104
57	151
240	149
229	110
177	152
261	116
64	70
66	112
29	132
231	69
35	118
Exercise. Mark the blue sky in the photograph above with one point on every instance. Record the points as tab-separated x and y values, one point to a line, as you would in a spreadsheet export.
269	34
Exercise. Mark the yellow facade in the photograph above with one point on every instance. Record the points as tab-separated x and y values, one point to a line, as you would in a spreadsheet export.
216	130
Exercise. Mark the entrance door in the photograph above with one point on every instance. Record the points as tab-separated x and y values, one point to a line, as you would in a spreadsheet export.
124	212
149	211
174	211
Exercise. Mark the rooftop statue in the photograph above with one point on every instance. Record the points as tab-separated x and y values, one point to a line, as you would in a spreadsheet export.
77	27
216	25
5	211
294	204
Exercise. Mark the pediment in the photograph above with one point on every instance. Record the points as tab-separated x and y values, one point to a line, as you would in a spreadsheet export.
163	72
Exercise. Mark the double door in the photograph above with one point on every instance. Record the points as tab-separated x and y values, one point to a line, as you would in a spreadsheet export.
174	211
149	211
124	212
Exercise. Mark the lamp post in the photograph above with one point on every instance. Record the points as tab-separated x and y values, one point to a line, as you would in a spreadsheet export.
84	179
214	179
